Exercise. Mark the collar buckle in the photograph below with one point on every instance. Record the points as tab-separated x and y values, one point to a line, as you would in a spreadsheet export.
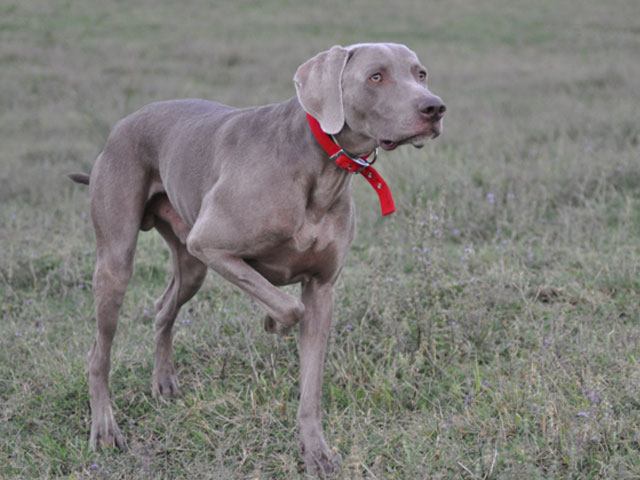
362	161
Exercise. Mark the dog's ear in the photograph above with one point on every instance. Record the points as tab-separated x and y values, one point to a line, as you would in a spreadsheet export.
319	87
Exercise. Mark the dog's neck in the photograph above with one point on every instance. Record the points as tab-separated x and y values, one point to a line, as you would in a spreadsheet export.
354	143
354	165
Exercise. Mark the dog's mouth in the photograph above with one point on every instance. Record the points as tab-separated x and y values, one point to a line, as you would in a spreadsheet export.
418	140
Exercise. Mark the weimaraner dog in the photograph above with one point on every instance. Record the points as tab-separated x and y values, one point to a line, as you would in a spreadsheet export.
254	195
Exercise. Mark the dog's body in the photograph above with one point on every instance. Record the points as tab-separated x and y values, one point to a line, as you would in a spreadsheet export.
251	194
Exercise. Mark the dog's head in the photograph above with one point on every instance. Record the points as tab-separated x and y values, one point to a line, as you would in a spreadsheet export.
377	90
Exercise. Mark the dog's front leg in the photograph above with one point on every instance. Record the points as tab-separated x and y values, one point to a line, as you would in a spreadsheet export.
283	308
314	332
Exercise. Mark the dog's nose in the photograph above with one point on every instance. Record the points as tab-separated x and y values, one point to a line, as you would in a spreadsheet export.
432	107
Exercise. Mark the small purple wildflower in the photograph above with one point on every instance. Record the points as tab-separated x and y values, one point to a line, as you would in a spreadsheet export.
416	249
423	223
468	399
84	214
13	217
146	312
505	241
18	334
435	217
41	330
86	252
388	279
425	250
456	232
491	197
28	302
583	414
473	280
453	323
436	232
529	255
593	397
94	466
186	321
510	195
547	341
80	286
225	310
132	422
467	250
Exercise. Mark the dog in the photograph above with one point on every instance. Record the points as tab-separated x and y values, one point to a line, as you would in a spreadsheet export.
261	195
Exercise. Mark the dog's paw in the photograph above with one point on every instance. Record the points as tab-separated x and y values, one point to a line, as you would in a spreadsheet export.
105	431
165	386
289	318
271	326
319	459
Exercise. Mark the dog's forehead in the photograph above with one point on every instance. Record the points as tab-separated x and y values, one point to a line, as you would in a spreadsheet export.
389	52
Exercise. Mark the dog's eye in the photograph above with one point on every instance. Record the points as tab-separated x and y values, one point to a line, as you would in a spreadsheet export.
376	78
422	75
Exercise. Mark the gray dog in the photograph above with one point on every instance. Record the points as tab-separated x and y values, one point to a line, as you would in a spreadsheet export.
259	196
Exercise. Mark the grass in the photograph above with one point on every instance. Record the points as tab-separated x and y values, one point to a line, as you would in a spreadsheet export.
488	329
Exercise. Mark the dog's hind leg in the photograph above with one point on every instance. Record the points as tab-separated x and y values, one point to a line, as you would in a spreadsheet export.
118	195
188	275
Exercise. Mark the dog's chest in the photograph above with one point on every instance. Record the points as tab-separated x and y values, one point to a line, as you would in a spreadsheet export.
315	249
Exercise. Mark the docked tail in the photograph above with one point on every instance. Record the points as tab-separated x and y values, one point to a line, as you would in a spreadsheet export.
79	178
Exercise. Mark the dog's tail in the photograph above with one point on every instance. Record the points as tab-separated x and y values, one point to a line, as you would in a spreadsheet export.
79	178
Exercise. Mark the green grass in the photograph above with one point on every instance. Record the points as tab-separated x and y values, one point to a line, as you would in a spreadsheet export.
488	329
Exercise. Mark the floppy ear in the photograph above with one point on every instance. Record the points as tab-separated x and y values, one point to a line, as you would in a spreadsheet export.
319	87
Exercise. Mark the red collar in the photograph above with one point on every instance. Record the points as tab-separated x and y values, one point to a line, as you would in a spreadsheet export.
355	165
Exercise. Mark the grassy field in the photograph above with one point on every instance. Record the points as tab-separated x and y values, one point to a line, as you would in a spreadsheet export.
487	330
